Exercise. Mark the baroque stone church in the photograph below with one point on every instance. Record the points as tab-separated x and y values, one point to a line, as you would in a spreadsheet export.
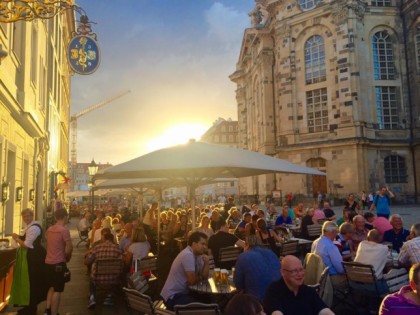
333	85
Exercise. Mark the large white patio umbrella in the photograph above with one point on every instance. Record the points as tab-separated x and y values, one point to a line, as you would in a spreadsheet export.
196	163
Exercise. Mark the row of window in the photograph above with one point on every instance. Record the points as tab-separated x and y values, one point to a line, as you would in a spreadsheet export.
387	88
231	128
223	138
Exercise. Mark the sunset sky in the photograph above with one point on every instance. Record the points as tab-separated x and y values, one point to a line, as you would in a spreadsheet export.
175	56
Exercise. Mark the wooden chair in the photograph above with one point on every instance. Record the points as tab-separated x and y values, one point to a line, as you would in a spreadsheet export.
229	254
139	302
395	279
314	231
321	221
363	284
83	237
197	309
149	263
289	248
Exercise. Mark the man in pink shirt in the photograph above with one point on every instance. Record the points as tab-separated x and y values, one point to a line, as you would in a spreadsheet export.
59	250
318	214
381	224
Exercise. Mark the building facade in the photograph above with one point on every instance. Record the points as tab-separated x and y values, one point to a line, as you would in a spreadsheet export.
333	85
82	177
34	115
222	132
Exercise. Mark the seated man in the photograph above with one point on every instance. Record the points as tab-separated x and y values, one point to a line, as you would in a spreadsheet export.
410	251
372	252
284	218
381	224
222	238
256	268
343	241
85	224
189	267
360	231
324	247
407	300
105	249
397	235
298	210
289	296
329	213
240	228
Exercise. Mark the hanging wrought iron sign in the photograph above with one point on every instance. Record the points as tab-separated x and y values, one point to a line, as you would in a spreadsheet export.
83	52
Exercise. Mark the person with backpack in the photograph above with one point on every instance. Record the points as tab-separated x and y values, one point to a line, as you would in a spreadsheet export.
382	201
28	288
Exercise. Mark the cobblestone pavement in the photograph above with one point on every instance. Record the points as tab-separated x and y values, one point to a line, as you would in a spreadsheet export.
75	297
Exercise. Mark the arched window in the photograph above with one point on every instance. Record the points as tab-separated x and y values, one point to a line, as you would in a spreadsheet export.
315	60
383	57
395	169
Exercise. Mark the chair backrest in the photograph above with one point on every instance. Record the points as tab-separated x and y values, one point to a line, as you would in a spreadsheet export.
211	262
314	267
139	302
321	221
359	273
138	282
149	263
314	230
323	282
395	279
229	253
289	248
108	270
197	309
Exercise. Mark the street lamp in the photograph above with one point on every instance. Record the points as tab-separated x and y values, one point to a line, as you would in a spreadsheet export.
93	169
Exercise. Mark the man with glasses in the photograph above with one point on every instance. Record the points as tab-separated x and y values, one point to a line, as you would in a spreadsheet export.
410	251
289	296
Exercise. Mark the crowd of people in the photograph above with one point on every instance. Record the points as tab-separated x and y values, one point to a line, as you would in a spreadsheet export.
363	233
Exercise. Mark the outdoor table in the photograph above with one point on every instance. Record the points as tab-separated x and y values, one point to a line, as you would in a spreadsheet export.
210	287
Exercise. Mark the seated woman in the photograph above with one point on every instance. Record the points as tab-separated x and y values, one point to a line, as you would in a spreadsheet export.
234	218
268	236
306	220
182	228
251	227
204	225
139	247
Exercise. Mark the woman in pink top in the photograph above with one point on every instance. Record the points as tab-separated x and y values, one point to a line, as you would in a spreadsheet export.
59	250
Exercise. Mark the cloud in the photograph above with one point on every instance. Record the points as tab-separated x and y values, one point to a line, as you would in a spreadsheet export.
225	24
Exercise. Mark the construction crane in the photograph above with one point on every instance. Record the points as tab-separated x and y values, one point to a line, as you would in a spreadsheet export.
73	126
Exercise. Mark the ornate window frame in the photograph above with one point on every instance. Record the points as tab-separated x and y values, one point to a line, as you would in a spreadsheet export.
315	69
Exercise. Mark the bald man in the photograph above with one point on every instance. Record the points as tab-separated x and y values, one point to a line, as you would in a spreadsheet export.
372	252
289	296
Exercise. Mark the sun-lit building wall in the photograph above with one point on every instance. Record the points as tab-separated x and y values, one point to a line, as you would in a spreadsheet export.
34	111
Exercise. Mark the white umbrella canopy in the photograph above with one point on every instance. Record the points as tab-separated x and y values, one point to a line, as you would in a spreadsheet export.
199	161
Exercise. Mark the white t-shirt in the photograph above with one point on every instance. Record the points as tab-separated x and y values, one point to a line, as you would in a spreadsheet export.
139	249
371	253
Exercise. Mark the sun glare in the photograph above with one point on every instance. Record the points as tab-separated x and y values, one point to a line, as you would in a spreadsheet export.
175	135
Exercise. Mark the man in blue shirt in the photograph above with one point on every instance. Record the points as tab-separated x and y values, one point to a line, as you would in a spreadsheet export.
397	235
382	201
256	268
324	247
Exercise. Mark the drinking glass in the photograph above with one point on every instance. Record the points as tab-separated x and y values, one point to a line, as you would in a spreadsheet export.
223	276
217	275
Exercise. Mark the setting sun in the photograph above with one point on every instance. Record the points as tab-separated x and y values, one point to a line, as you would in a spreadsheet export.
175	135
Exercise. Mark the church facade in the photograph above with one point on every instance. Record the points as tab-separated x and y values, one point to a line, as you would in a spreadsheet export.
333	85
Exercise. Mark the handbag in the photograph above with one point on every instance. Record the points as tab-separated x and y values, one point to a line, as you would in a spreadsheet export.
67	275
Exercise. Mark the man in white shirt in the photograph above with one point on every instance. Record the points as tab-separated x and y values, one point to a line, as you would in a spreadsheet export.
372	252
85	224
189	267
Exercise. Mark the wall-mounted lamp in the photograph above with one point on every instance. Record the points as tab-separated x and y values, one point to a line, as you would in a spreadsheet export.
5	191
44	195
31	194
19	193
